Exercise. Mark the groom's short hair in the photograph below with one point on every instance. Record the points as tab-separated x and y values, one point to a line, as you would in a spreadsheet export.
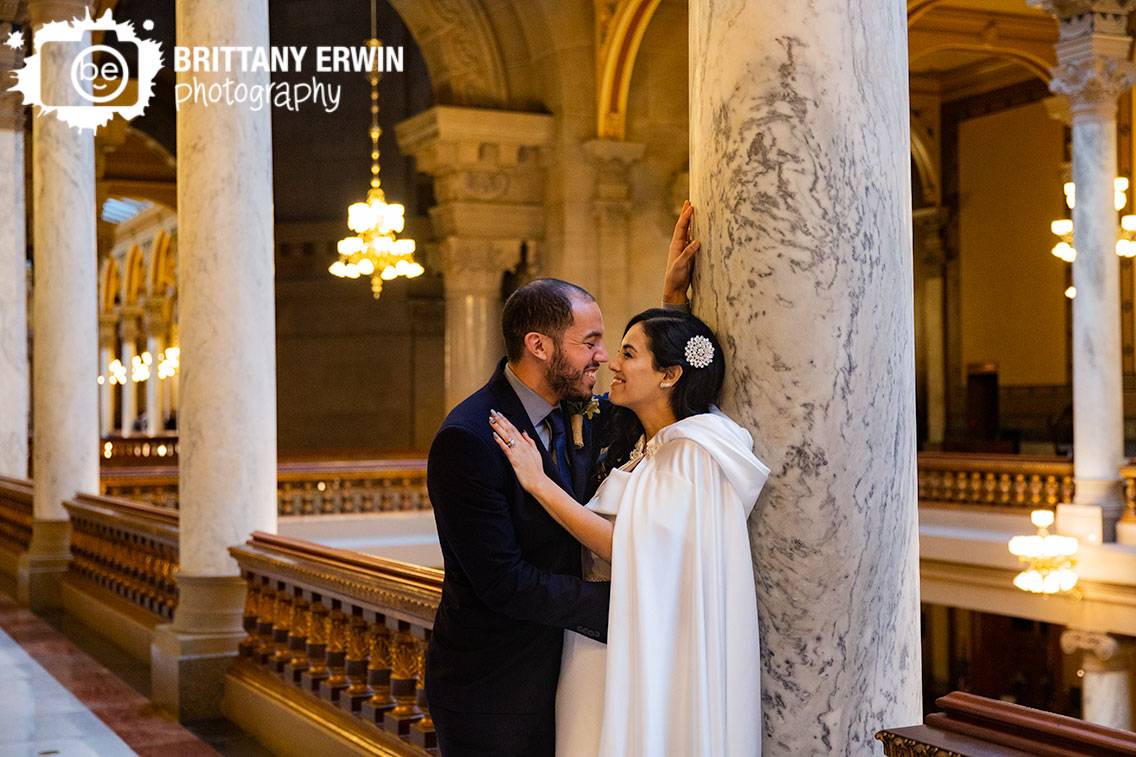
542	305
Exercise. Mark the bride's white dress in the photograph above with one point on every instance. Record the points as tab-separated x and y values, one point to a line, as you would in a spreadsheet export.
680	674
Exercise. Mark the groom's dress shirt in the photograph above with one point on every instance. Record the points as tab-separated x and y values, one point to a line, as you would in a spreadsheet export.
537	408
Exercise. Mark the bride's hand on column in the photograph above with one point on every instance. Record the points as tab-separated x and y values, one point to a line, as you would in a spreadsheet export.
520	449
680	259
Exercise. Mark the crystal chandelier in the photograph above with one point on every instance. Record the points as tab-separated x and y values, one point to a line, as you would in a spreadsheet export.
1047	558
374	250
1125	236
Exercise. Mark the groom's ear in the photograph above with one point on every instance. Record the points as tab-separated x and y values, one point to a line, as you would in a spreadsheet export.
536	345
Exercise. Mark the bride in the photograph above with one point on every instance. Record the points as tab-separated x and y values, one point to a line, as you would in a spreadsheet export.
680	672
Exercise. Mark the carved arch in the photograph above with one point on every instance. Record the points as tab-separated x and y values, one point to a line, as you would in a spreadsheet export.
619	32
1039	67
925	165
110	285
162	264
461	49
917	8
134	286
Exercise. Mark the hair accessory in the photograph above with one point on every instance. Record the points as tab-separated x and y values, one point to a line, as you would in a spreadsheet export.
699	351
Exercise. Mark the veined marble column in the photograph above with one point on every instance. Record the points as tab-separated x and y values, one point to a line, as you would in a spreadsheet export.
1093	71
489	186
472	270
65	318
108	323
128	330
227	485
14	368
800	176
1106	687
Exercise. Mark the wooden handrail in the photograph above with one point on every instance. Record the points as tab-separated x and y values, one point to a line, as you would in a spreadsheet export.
16	513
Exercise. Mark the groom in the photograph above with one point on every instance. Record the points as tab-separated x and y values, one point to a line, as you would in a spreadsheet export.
512	574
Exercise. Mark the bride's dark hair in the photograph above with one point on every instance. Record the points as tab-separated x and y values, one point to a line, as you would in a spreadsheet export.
668	333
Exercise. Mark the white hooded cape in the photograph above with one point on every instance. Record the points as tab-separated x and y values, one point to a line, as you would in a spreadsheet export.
682	671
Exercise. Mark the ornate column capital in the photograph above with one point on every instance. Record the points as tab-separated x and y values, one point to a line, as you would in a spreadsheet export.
476	265
1103	652
108	329
613	161
155	315
129	323
1092	52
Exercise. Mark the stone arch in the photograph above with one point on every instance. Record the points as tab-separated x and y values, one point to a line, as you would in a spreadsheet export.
620	32
162	264
1036	65
134	283
916	8
110	286
462	52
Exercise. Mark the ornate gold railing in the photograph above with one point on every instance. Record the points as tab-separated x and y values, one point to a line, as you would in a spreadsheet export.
15	514
141	450
346	632
1128	474
126	548
994	481
310	488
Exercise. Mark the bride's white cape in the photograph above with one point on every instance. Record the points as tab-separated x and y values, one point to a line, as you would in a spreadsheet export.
682	668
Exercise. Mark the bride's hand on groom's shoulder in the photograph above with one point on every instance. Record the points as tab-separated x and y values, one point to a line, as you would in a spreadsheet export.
521	451
680	259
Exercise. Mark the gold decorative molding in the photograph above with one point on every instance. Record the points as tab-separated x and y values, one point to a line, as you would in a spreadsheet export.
619	31
1027	40
901	746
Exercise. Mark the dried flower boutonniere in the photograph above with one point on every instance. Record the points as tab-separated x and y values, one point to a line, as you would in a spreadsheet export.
579	410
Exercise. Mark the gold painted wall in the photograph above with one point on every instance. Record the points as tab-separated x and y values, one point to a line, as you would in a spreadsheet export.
1013	306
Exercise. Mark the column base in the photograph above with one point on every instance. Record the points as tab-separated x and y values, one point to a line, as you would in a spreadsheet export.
1086	522
39	575
190	656
1126	532
1106	494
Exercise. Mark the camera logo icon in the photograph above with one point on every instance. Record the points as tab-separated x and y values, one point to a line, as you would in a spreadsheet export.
90	84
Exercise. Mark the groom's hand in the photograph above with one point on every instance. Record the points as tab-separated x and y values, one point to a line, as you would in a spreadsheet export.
680	260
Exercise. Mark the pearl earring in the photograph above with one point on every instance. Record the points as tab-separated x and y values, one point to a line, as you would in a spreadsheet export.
665	385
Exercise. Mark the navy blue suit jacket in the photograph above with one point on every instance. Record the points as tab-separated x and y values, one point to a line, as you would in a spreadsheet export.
512	574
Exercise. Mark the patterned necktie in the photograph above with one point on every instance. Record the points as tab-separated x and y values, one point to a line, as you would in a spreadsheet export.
559	443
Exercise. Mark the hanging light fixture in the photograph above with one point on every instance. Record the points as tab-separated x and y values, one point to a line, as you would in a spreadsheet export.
1125	235
375	251
1047	558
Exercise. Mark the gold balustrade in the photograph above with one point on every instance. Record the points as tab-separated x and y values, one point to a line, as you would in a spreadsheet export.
994	482
357	630
1128	475
303	488
125	548
141	450
15	514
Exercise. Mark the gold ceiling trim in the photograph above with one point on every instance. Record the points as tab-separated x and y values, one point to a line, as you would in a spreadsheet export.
620	25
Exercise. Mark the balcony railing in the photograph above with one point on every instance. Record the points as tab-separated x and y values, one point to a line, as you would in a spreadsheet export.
308	488
142	450
346	631
127	549
15	514
1019	482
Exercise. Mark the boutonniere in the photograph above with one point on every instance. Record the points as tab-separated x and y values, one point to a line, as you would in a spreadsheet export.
579	410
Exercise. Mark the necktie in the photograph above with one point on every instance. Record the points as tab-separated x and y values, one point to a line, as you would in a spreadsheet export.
559	443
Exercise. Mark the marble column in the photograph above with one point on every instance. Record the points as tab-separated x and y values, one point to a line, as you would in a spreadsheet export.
1106	664
108	331
64	319
14	366
128	331
930	325
227	485
472	270
800	176
1093	71
489	186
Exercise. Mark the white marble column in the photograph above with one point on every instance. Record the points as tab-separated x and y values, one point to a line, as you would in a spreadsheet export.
227	485
65	318
14	367
800	176
128	330
1093	71
108	330
472	270
1106	689
489	186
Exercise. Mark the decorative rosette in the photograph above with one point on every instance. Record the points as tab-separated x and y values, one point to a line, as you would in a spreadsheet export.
699	351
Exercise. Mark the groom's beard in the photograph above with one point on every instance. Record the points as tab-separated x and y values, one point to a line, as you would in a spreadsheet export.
567	382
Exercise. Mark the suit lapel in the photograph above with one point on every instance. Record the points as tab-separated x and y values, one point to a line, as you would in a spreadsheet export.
510	406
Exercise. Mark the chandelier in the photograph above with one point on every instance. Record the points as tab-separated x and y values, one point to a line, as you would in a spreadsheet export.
374	250
1063	227
1047	558
140	368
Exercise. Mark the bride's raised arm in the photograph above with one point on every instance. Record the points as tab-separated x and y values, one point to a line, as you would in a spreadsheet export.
591	530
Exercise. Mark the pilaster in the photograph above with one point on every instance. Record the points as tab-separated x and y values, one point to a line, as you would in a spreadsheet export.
1106	663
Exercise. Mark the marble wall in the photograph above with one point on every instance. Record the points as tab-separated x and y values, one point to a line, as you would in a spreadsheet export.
800	171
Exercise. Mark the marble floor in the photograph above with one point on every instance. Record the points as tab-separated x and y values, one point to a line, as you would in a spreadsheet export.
56	700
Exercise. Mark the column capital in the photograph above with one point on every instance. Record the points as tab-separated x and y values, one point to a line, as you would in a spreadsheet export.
154	314
129	323
108	330
476	265
1103	651
1093	85
613	161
